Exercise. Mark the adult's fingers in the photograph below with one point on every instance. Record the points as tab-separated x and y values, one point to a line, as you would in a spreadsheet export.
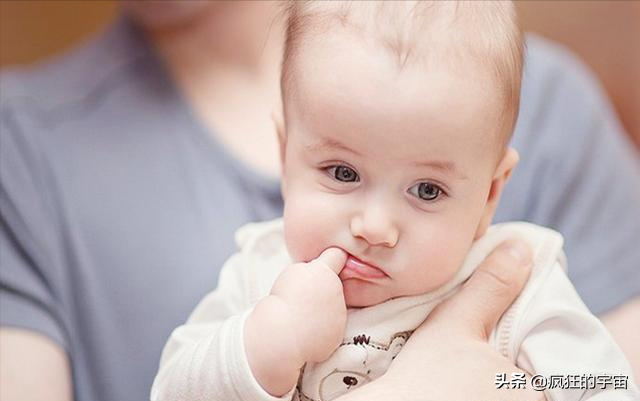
333	258
491	289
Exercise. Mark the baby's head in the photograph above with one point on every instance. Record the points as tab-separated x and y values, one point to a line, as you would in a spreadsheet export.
397	117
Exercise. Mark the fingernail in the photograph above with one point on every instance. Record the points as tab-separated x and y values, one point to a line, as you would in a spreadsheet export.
519	250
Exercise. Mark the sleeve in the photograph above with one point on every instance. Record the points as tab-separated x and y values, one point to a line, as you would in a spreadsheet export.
558	339
579	174
30	253
205	359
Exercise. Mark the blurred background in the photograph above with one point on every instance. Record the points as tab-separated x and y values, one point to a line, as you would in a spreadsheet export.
605	34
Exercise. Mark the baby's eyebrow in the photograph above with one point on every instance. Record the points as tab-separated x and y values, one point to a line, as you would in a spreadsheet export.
442	165
329	144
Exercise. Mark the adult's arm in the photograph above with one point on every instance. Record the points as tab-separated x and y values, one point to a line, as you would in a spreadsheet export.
448	357
33	363
32	367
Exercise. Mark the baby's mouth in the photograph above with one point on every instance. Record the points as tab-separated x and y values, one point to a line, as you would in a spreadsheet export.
358	269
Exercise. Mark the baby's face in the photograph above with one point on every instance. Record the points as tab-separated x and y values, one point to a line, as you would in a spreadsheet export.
395	168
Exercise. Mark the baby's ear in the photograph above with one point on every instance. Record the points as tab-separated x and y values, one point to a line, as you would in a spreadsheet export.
278	121
500	177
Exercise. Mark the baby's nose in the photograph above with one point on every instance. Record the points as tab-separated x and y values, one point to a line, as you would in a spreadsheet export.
376	228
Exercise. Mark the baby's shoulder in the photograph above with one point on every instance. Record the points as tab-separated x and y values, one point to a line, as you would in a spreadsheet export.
547	292
263	255
263	239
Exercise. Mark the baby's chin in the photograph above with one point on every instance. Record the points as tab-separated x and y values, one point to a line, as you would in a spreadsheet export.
361	294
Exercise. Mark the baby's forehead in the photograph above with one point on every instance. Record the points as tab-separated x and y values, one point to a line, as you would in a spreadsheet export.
351	91
358	61
477	40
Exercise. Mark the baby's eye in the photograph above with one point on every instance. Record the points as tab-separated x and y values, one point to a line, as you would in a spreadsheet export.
343	173
426	191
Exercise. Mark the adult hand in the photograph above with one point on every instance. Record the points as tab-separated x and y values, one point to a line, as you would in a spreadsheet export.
448	357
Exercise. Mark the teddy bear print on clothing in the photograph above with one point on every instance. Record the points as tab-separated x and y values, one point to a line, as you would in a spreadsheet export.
355	362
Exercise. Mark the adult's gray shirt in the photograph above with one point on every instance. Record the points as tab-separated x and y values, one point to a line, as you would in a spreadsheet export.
118	208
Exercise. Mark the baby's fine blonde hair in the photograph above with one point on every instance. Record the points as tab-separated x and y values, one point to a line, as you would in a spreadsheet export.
460	32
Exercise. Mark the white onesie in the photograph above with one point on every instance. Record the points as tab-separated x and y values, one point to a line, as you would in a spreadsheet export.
547	331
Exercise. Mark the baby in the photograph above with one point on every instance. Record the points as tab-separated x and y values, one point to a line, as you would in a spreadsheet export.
394	145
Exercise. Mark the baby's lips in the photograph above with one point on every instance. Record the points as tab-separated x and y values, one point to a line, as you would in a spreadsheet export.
356	268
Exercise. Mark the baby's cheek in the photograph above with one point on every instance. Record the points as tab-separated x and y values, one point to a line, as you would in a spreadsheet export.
304	229
440	258
299	243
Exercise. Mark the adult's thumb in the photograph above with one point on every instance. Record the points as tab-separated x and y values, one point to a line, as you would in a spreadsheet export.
494	285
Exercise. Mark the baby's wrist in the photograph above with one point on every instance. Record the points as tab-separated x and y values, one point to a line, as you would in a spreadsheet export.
272	351
279	322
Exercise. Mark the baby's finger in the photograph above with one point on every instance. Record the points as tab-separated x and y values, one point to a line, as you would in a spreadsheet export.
333	258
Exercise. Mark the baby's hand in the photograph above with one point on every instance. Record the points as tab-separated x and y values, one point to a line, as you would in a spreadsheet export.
312	293
302	320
